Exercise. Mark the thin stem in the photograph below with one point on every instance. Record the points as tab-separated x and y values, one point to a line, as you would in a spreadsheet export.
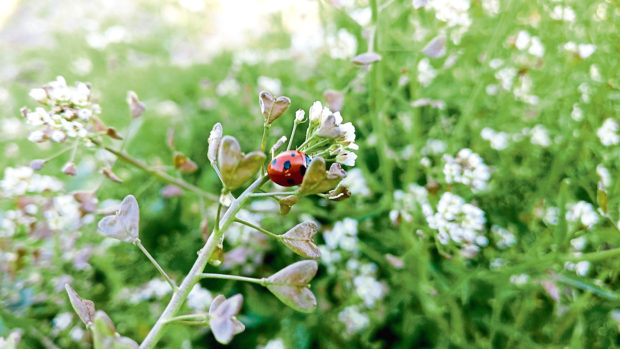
290	141
317	145
188	317
178	298
156	173
161	270
263	142
217	217
261	282
281	193
53	156
307	139
262	230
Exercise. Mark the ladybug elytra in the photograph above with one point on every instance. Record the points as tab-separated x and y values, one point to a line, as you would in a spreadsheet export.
288	168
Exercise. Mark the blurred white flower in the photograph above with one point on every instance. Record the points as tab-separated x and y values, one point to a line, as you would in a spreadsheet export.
276	343
356	183
583	213
453	12
540	136
62	321
228	87
426	72
199	299
603	172
503	237
498	140
434	147
576	114
563	13
343	45
353	319
272	85
519	279
369	289
608	132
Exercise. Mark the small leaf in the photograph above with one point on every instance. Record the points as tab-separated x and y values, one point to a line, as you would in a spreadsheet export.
111	132
184	163
436	48
287	203
105	335
37	164
317	180
602	197
272	108
136	108
290	285
113	177
235	168
366	58
69	169
339	194
222	320
84	308
329	128
335	99
299	240
215	138
247	168
124	225
170	191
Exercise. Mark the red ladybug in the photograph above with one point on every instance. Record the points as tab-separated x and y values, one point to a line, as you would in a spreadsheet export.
288	168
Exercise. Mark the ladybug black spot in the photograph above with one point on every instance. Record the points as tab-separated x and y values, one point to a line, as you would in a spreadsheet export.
293	154
307	160
302	170
290	181
287	165
274	162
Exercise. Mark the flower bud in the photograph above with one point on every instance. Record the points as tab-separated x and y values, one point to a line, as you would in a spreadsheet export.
366	58
215	138
69	169
37	164
299	116
278	144
113	177
136	108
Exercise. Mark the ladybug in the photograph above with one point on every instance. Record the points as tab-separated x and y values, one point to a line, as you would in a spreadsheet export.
288	168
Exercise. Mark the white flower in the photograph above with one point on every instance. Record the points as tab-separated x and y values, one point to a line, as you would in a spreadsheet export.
426	72
608	132
586	50
38	94
563	13
62	321
76	333
353	319
520	279
272	85
540	136
498	140
434	147
343	45
199	298
504	238
506	77
346	158
581	268
582	212
523	40
368	289
453	12
299	116
576	113
315	112
603	172
277	343
356	183
467	168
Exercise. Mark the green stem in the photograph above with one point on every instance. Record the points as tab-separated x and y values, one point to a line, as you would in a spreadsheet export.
317	145
262	230
290	141
179	297
282	193
161	270
202	317
262	282
306	141
156	173
263	142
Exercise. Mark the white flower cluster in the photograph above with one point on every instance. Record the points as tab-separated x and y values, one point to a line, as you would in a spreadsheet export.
504	238
341	242
326	124
563	13
533	45
506	75
21	180
608	132
459	222
154	289
498	140
426	72
467	168
405	203
583	213
69	111
539	135
582	50
453	12
354	319
356	183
